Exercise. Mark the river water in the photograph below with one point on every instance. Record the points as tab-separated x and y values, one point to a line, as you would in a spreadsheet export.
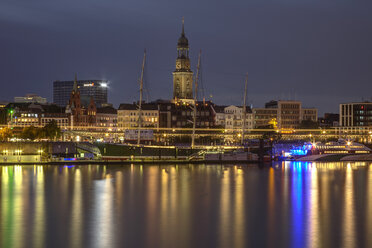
289	204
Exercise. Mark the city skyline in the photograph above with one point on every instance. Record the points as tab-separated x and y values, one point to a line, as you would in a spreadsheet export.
288	54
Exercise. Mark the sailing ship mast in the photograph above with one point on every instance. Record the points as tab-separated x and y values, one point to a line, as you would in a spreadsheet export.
140	101
244	108
195	102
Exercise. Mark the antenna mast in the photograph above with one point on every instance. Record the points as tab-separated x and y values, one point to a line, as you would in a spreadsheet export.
195	101
244	108
140	100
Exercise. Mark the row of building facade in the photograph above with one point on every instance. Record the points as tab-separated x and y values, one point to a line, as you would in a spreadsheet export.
179	114
157	114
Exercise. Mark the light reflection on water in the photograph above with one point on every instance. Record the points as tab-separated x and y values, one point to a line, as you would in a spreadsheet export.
290	204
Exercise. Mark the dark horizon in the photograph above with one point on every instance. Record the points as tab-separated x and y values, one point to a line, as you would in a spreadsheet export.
317	52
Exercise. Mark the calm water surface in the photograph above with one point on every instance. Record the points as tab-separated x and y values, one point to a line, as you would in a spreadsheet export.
286	205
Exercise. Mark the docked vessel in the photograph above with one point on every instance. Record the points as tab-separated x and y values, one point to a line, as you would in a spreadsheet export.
340	147
236	155
219	155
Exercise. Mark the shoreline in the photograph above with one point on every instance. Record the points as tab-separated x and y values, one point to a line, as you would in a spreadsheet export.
152	162
149	162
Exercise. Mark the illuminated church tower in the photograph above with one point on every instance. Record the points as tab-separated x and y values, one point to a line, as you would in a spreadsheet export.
182	76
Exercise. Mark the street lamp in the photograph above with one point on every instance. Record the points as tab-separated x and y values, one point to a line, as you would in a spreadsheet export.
40	151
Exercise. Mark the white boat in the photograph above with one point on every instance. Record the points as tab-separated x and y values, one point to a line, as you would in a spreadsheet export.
341	146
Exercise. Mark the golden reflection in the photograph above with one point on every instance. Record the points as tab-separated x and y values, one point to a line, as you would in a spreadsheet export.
185	201
348	237
39	217
239	211
152	190
164	212
76	212
103	224
224	221
6	207
271	208
119	185
18	234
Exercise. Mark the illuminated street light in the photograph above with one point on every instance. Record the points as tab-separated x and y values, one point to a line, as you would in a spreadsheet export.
40	151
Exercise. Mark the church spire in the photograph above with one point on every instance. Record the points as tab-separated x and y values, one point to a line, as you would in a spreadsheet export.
183	26
183	42
74	88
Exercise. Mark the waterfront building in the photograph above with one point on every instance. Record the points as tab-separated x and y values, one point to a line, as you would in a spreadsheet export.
35	114
166	114
106	118
30	98
287	114
329	120
310	114
96	89
128	116
182	76
231	118
234	117
62	119
220	116
356	114
83	113
263	116
179	114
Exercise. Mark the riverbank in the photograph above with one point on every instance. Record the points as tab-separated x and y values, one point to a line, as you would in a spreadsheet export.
138	161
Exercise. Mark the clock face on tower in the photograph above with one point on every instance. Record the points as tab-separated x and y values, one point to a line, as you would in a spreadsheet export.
187	64
178	65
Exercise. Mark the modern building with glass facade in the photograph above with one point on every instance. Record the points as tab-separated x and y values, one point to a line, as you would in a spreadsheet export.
88	88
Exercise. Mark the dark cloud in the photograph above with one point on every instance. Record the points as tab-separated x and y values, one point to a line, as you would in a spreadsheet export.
314	51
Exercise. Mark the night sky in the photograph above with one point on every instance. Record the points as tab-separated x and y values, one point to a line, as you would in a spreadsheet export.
319	52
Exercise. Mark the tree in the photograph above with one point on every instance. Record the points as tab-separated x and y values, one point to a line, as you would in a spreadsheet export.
30	133
5	134
309	124
51	130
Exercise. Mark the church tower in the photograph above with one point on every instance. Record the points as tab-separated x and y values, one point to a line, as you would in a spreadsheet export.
182	76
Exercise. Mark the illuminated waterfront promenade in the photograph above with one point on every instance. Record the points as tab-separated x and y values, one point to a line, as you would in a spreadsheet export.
221	135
